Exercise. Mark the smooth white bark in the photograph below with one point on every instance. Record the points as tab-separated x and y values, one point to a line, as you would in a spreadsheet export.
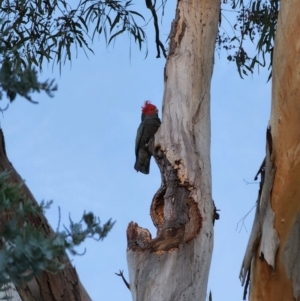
181	272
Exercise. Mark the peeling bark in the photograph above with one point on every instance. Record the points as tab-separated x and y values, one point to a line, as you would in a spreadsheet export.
275	276
64	286
264	239
175	264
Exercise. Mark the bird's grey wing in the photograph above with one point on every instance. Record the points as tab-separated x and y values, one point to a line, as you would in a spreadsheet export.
139	135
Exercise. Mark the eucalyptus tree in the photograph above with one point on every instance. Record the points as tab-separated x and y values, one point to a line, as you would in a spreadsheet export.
271	262
175	264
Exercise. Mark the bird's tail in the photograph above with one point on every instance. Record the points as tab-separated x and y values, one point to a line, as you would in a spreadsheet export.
144	168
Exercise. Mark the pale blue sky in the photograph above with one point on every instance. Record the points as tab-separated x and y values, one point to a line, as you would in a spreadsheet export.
77	149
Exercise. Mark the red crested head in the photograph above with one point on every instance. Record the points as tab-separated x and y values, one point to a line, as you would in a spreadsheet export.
149	108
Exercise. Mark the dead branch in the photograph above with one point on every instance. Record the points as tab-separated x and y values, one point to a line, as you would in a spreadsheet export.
125	281
159	44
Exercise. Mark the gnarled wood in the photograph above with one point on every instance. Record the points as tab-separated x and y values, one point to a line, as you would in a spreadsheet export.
64	286
175	265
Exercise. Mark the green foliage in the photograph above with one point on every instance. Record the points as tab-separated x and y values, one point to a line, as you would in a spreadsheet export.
16	81
47	30
35	31
256	21
26	251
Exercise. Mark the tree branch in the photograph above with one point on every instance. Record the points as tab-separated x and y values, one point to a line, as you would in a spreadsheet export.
125	281
159	44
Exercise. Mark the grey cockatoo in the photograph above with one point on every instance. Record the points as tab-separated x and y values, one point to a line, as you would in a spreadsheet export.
148	127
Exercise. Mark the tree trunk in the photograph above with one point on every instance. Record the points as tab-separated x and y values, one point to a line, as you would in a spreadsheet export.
63	286
273	249
175	265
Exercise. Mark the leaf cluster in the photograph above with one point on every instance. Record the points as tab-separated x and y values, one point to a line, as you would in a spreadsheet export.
22	81
36	31
26	250
47	30
256	21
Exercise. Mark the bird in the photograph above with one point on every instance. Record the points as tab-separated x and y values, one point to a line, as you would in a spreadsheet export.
148	127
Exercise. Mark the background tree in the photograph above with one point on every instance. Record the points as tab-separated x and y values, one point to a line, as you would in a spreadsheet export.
32	31
26	251
271	261
256	22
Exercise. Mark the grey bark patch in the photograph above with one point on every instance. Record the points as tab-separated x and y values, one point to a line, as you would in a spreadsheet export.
291	256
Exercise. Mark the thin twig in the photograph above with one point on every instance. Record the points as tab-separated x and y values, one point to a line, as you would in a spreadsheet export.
159	44
242	220
125	281
59	219
249	183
